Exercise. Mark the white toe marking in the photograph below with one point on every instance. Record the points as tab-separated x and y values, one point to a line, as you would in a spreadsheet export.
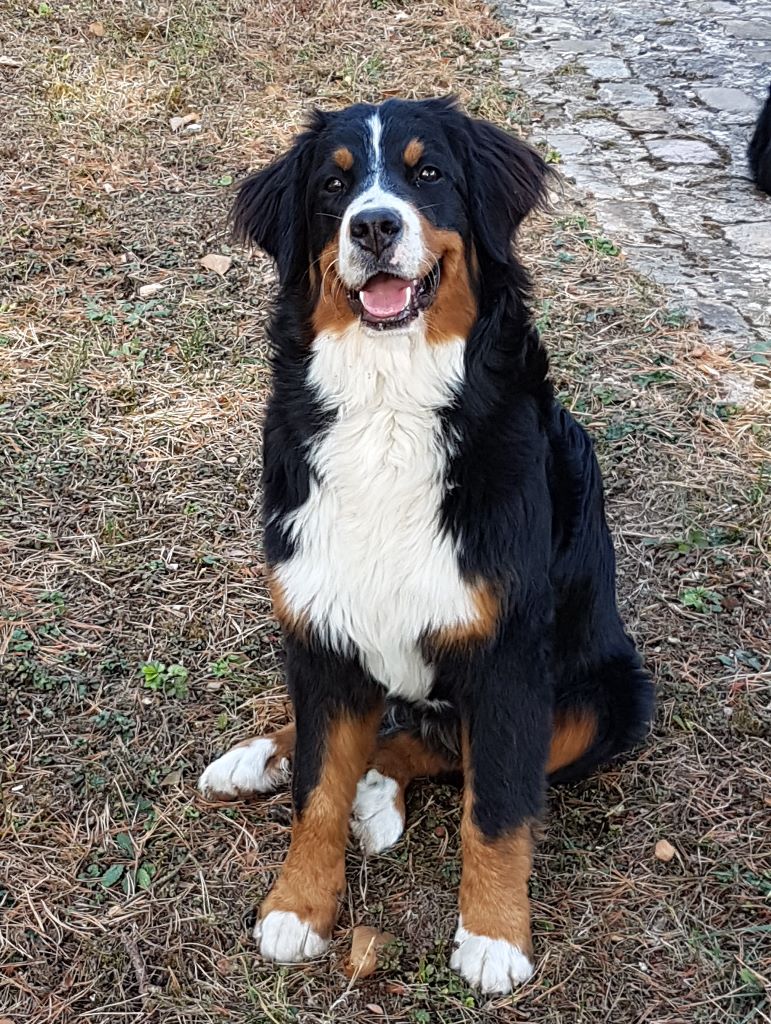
376	822
492	965
282	936
244	770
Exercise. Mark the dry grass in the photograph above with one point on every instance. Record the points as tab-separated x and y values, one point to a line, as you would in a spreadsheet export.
128	523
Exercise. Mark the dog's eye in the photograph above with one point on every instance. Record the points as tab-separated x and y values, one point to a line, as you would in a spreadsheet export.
429	173
334	186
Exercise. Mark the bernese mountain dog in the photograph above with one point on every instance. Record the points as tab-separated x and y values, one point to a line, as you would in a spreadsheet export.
759	149
437	550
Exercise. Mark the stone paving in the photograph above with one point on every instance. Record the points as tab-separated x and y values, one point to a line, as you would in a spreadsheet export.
650	106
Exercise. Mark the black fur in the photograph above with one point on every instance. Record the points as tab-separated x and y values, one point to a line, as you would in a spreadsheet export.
323	686
523	496
759	151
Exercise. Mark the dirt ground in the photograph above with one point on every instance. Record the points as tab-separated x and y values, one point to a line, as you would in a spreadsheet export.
136	638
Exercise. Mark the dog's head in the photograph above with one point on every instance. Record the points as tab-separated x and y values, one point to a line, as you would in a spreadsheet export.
393	215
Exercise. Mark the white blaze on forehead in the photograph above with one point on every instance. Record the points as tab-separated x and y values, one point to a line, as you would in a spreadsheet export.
375	126
409	258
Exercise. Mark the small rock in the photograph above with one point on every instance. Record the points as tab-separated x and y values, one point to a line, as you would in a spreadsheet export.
568	145
682	151
626	93
664	851
755	29
580	46
608	69
634	219
146	290
732	100
188	121
720	317
214	261
644	120
365	944
751	239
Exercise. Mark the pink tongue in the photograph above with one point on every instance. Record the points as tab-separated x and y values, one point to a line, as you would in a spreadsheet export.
385	296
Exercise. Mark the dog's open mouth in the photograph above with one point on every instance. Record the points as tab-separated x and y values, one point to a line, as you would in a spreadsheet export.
386	302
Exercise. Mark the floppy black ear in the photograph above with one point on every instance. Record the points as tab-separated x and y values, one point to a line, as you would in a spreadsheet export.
269	209
507	179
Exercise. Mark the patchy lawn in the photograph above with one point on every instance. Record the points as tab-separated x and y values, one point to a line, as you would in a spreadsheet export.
135	632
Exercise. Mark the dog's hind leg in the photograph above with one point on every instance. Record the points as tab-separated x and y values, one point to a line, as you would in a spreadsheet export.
600	717
258	765
379	806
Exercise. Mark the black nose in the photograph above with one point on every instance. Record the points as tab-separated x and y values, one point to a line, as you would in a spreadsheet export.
375	230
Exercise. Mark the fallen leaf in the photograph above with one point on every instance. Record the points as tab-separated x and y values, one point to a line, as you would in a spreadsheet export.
664	851
377	1010
365	943
172	779
96	28
219	264
9	62
146	290
112	875
176	123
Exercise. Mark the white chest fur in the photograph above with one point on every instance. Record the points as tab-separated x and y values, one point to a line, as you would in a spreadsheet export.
372	569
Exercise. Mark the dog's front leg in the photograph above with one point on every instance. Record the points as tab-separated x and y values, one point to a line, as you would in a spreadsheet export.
506	722
338	711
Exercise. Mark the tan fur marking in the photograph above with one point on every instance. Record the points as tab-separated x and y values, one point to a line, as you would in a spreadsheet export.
572	737
343	157
413	152
332	311
493	889
454	309
288	619
405	757
283	739
481	628
313	875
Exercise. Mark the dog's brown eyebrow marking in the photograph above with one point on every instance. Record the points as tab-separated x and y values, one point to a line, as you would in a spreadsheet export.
343	157
413	152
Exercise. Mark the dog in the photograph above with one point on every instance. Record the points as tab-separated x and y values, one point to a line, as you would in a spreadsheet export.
759	150
437	550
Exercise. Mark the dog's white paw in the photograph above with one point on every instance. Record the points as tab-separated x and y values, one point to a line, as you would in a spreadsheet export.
376	820
283	937
244	770
492	965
